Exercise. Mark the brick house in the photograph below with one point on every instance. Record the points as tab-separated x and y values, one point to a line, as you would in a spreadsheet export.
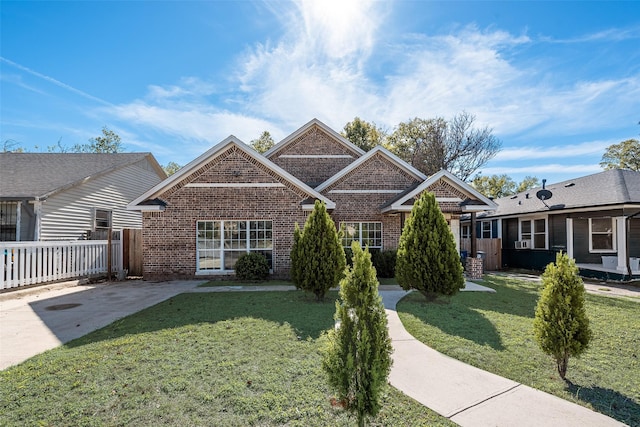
232	200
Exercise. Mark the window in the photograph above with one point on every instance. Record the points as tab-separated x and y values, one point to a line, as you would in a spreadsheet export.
221	243
366	233
102	219
485	230
534	230
8	221
466	231
602	235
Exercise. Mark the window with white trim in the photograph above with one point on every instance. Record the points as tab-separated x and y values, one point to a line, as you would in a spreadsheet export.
485	230
221	243
366	233
534	230
466	231
602	237
102	219
8	221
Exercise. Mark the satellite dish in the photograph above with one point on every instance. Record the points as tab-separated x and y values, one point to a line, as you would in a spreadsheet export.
544	194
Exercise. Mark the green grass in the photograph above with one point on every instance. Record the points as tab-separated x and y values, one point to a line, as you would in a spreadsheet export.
223	359
494	331
216	283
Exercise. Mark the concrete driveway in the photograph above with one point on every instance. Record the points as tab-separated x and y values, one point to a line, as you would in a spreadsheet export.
38	319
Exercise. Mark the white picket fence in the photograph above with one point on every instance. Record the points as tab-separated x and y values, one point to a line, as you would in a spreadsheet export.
28	263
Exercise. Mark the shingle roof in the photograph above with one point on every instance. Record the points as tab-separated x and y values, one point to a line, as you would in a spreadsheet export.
612	187
30	175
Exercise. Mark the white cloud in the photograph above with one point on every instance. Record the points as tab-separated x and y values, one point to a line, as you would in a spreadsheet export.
327	64
554	152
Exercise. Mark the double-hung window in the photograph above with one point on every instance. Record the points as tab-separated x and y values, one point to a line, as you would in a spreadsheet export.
534	230
485	230
366	233
102	219
602	235
221	243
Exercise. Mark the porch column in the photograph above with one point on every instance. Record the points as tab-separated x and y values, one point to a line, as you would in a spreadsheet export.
570	237
474	250
18	220
455	230
621	242
37	211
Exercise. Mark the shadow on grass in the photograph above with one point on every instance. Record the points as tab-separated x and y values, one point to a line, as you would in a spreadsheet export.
452	318
307	317
512	297
608	402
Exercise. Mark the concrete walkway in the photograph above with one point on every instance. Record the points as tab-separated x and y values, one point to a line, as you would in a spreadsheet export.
38	319
470	396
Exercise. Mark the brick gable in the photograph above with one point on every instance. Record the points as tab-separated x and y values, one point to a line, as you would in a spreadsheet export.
322	156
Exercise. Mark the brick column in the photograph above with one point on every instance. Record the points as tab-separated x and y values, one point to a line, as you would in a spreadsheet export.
475	268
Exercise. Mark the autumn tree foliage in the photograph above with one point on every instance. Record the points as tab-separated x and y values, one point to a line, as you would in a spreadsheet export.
561	326
317	256
427	259
357	358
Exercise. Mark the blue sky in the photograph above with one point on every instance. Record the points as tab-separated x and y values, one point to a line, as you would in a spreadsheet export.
557	81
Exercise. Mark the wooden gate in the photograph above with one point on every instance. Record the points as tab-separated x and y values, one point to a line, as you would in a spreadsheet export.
492	249
132	251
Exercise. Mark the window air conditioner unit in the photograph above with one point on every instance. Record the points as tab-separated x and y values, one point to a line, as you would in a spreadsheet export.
523	244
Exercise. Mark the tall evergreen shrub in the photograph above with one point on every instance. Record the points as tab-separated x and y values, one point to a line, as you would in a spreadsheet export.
317	256
357	358
428	260
561	326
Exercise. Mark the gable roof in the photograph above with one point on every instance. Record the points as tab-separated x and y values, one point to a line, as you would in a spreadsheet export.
315	122
40	175
476	201
149	201
612	187
368	155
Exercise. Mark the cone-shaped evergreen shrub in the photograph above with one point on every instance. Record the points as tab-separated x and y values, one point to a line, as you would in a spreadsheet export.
561	325
357	358
317	256
428	260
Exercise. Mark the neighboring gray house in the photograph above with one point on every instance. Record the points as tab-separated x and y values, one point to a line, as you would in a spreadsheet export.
67	196
594	219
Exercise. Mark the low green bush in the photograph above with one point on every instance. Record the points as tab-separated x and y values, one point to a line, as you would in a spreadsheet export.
385	263
252	266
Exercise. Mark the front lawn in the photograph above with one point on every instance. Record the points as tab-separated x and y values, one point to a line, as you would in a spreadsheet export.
223	359
494	331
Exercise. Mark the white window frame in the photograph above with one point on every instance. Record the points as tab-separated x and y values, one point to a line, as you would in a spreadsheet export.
465	231
612	232
224	246
347	240
533	233
109	219
10	212
482	230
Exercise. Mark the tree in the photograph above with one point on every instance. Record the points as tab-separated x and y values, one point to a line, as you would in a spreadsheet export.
171	168
263	143
357	358
317	256
109	142
11	146
528	183
624	155
363	134
431	145
561	326
428	260
496	186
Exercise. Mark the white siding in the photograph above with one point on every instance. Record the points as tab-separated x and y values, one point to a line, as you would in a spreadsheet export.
69	214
